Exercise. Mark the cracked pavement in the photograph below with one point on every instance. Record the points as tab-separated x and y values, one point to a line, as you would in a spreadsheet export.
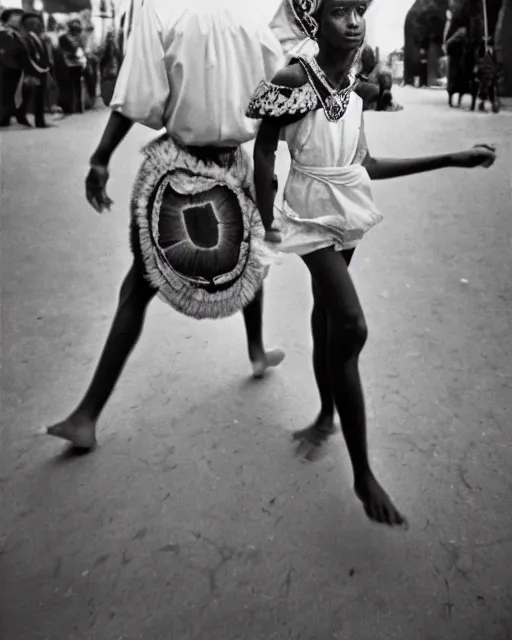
194	520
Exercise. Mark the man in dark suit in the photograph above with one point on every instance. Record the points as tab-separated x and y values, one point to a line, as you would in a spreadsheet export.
71	48
13	61
37	69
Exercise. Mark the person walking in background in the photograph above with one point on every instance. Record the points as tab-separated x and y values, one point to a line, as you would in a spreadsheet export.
72	71
459	55
13	60
35	82
485	82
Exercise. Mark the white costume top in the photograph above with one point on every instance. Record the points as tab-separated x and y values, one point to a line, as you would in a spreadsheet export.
191	66
328	198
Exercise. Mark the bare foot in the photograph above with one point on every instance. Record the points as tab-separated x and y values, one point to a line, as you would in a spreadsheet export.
268	359
313	440
377	504
79	431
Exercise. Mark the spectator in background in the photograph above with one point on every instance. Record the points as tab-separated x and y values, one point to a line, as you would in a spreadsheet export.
13	60
485	81
72	69
35	82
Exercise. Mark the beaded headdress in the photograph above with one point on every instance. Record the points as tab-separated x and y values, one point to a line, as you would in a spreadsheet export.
296	28
303	11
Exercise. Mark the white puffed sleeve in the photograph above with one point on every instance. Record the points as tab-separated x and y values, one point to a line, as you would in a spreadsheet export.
217	54
142	88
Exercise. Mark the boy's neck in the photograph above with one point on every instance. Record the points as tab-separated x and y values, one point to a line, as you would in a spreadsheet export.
336	65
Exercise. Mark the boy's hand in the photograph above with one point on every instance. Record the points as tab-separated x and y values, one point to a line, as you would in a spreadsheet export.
95	184
481	155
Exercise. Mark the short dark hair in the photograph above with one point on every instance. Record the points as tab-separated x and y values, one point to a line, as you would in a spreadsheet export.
8	13
31	15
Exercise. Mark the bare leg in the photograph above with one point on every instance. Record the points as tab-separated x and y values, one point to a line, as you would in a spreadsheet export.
260	359
346	338
80	426
323	427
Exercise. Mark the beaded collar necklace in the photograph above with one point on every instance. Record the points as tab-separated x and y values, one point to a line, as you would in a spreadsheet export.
336	103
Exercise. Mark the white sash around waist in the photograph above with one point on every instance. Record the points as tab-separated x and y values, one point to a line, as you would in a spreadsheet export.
333	192
349	176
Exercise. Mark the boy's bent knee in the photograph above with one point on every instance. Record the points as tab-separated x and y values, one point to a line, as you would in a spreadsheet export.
350	333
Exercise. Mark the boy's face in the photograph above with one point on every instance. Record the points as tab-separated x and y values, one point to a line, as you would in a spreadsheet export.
342	23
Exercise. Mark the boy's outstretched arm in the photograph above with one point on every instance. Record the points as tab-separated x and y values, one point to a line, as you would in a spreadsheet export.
383	168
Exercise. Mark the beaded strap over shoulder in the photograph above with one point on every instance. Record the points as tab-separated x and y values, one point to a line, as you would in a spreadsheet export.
274	101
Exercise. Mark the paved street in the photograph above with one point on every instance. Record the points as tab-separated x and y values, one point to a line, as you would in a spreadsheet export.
194	520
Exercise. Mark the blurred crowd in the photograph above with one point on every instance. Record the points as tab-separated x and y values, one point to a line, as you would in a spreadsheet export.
47	66
52	67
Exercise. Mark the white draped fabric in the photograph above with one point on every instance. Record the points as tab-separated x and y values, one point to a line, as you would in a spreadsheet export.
328	198
192	66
